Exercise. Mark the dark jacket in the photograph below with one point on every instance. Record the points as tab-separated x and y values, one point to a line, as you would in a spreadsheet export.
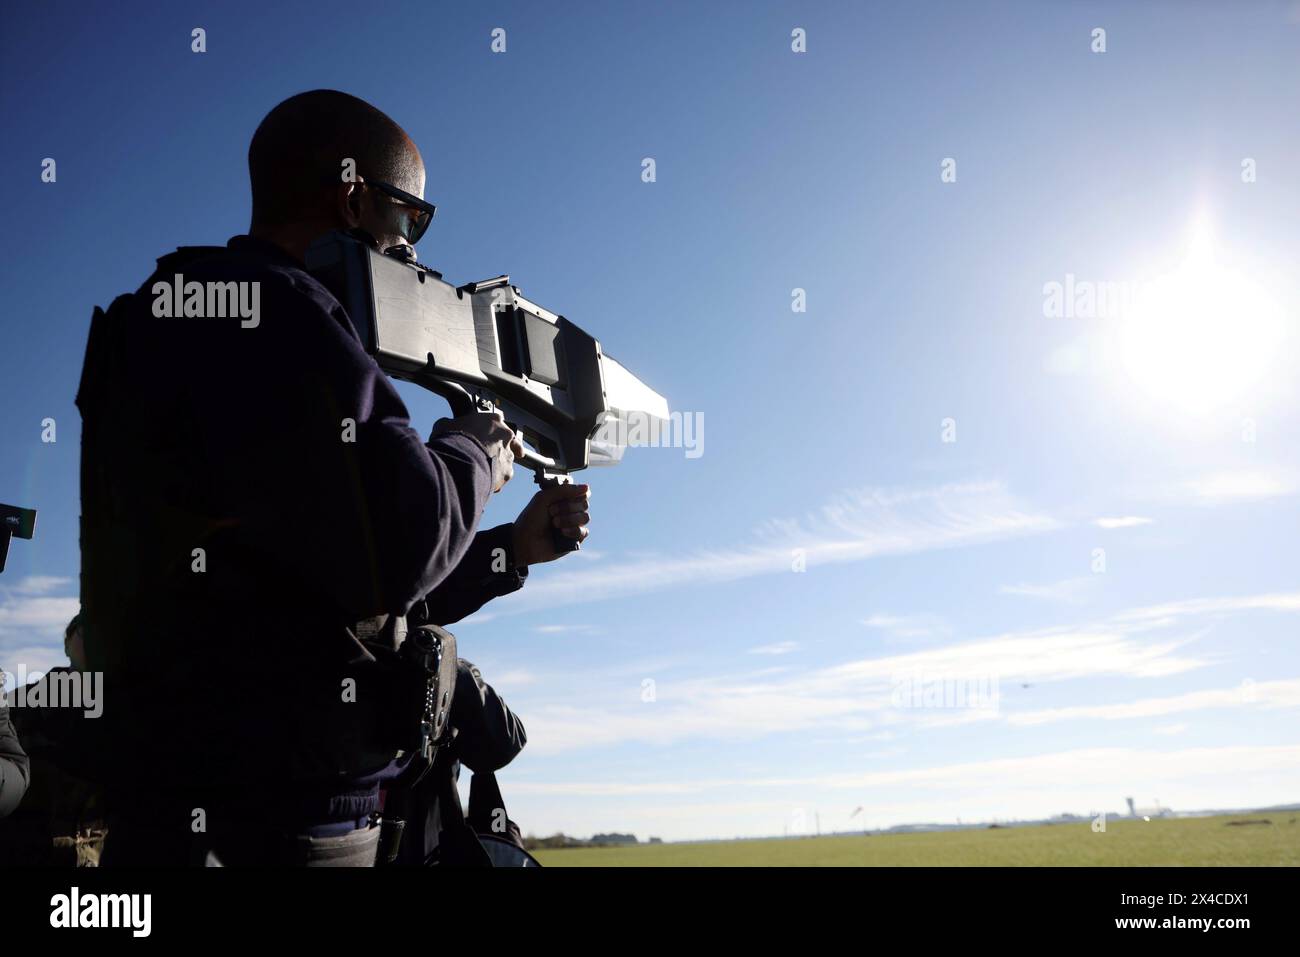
61	821
475	581
284	454
488	734
15	770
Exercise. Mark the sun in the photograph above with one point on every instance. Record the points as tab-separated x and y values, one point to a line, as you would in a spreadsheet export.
1202	336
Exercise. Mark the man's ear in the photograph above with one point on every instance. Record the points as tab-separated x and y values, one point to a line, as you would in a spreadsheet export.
349	197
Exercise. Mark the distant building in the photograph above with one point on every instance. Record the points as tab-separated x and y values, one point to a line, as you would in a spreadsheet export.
655	840
613	839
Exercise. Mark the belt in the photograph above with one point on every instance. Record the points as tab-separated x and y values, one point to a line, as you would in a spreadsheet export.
135	843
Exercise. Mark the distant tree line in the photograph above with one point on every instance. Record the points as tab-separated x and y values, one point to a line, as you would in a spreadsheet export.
533	843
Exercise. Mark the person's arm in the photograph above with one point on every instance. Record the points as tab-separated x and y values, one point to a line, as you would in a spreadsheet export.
15	771
488	734
487	571
497	562
398	512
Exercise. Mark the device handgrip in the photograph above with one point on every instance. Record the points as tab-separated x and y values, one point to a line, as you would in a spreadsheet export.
562	543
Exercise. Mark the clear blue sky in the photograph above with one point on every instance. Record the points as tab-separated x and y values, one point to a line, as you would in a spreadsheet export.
1172	674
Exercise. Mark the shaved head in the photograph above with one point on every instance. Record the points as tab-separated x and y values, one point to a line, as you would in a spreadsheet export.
298	151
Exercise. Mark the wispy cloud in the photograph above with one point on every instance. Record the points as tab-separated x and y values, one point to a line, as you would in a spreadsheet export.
1127	521
32	620
1159	614
1069	590
1262	694
39	585
1106	766
858	526
31	659
908	626
1237	486
853	697
776	648
35	616
856	696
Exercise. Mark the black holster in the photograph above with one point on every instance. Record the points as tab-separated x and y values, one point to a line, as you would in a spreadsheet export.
426	681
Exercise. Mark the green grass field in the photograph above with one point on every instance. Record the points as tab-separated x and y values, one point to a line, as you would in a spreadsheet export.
1125	843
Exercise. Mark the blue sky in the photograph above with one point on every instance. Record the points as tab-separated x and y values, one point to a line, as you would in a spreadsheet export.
1165	435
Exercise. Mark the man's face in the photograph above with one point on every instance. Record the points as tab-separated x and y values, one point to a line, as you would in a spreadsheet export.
389	220
74	646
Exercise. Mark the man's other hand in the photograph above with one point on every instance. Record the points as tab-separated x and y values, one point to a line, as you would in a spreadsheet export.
500	442
561	506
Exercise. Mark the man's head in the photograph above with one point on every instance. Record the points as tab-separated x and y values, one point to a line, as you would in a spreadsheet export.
311	163
74	645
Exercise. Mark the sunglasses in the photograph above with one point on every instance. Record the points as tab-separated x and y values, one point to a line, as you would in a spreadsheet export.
416	224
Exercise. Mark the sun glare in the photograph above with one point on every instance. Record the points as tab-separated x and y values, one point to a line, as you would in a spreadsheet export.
1200	336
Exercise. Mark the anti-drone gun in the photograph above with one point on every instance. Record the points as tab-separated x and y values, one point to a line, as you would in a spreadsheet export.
484	348
14	521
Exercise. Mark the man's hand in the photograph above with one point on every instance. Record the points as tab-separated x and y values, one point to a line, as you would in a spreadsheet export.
500	442
560	506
